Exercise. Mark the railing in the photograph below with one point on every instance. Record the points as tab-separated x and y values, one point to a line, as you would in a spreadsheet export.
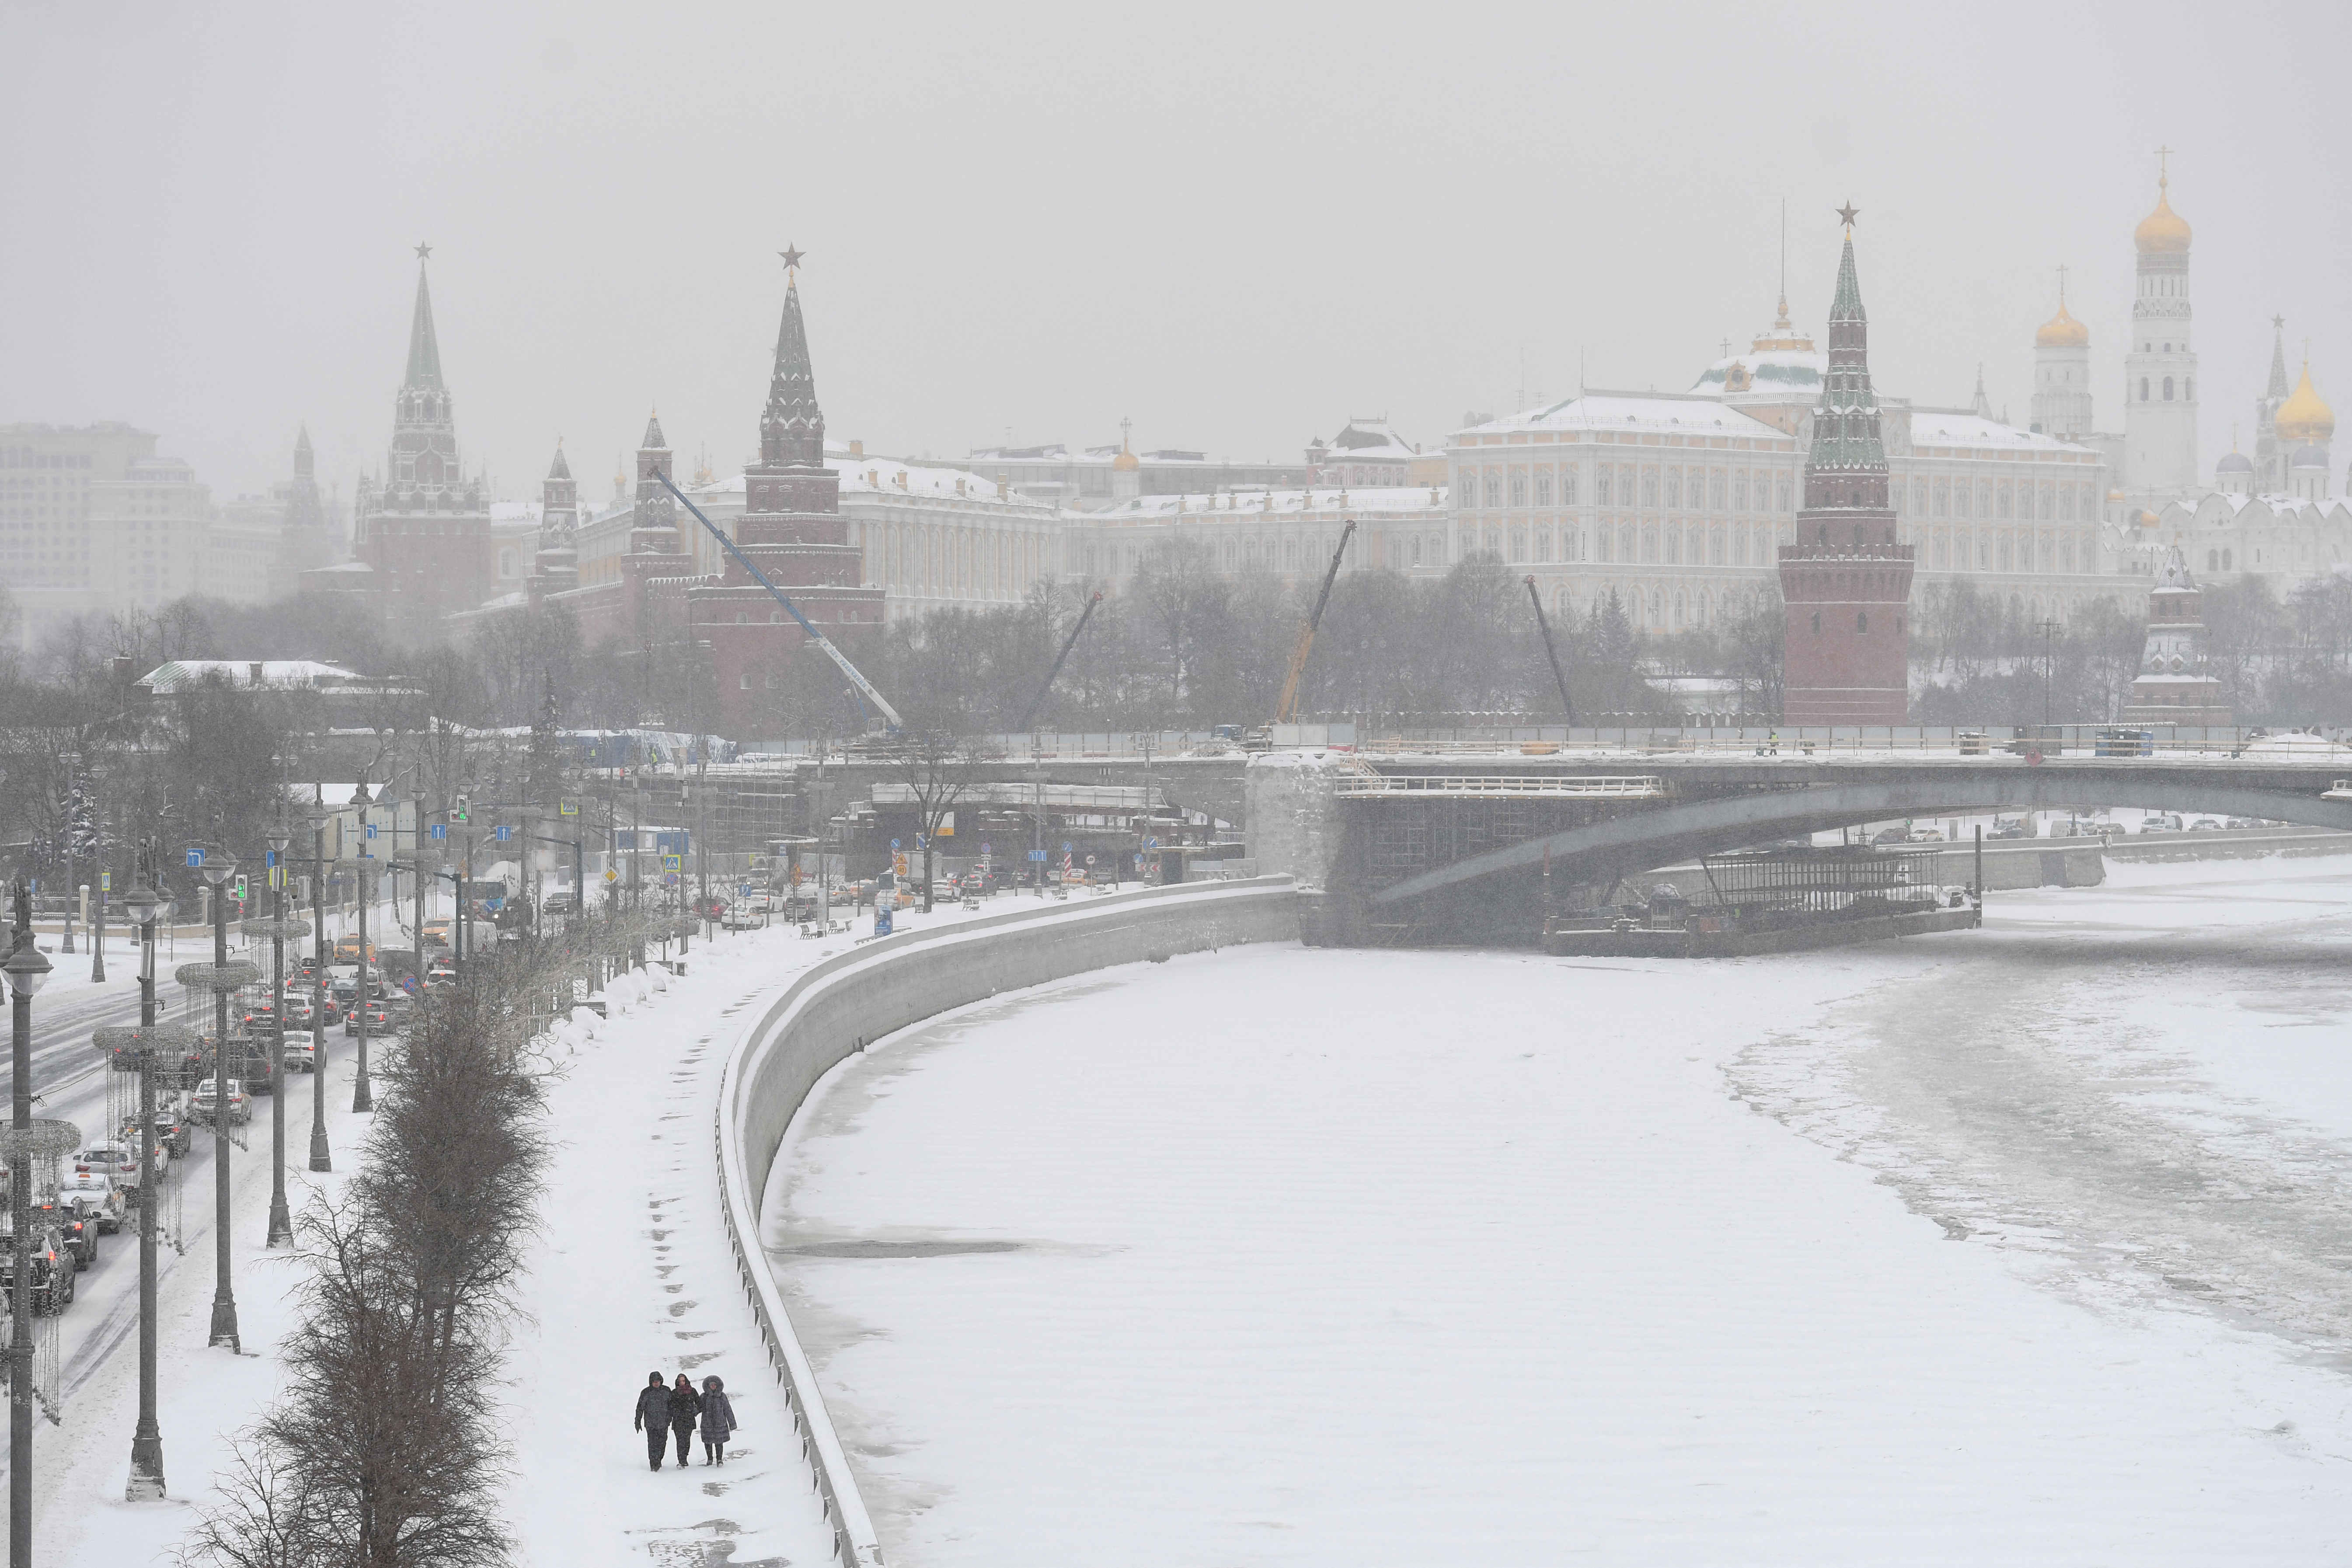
1367	785
1799	745
824	1016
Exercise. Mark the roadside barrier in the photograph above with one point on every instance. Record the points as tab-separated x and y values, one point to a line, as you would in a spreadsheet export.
868	992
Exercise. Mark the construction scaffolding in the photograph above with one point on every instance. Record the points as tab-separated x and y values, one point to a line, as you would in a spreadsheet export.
1836	880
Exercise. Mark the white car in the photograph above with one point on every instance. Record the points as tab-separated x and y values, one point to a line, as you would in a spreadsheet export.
240	1109
301	1052
90	1190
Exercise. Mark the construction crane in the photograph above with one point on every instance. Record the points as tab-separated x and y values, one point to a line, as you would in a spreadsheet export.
1566	708
1067	644
862	690
1285	712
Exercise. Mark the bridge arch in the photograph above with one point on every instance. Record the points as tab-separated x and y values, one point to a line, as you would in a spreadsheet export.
1639	841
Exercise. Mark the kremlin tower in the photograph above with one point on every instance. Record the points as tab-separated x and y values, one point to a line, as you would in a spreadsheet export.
2176	685
2159	453
1846	581
2062	373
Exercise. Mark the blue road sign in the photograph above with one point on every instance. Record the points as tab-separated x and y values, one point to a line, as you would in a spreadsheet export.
505	834
196	856
894	844
371	830
440	830
1036	854
1065	849
273	857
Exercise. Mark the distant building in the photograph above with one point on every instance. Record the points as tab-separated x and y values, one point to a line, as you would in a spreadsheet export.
2175	683
93	520
306	538
1365	454
1845	579
422	528
1289	534
1083	480
345	698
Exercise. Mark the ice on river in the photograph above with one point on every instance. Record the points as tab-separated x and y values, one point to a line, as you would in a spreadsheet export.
2026	1245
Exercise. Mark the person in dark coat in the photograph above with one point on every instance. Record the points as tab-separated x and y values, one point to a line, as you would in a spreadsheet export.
718	1421
685	1410
653	1418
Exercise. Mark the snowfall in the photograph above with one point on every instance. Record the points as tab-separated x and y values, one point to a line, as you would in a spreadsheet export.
2023	1244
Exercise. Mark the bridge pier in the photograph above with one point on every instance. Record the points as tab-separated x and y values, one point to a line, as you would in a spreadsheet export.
1295	827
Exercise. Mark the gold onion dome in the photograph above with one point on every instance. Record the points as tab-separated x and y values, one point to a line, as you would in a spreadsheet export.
2304	416
2061	330
2163	229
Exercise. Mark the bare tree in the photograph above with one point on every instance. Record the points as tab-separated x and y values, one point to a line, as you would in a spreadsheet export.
938	767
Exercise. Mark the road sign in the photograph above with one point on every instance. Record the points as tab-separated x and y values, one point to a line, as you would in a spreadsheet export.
669	878
899	864
894	844
1090	859
505	833
568	806
277	876
673	863
440	830
1065	849
1036	854
984	849
270	857
196	856
371	830
105	881
611	875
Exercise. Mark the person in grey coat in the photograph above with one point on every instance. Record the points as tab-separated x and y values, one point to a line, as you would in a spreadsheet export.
653	1418
685	1409
718	1421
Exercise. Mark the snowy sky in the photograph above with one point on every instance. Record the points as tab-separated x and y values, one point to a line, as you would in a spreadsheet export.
1237	224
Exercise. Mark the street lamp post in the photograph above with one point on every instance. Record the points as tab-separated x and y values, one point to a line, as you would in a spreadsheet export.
281	1219
362	1096
26	969
320	1158
98	876
72	760
217	871
145	905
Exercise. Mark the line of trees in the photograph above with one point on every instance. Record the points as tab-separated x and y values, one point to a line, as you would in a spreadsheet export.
386	1447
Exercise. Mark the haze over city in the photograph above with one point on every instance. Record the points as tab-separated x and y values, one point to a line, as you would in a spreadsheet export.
1316	786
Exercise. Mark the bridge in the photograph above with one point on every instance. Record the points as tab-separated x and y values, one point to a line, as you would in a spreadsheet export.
1431	846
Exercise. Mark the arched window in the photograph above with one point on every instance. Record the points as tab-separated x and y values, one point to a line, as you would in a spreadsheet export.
2168	389
1715	491
1289	554
1649	487
1543	544
1739	490
1543	489
1673	545
1494	490
1519	489
1416	549
1650	544
1817	622
1862	620
1519	544
1567	488
1601	477
1674	488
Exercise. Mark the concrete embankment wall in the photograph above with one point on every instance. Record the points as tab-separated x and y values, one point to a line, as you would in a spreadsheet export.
849	1001
2259	844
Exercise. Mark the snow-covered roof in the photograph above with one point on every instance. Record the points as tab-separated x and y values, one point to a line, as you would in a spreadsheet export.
1372	438
1945	428
1660	412
168	678
1772	374
886	479
1366	499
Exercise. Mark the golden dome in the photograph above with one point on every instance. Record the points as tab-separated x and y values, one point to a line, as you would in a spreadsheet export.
2061	330
2304	416
2163	229
1125	462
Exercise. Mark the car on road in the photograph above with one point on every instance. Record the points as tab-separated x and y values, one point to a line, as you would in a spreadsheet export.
119	1160
79	1231
53	1280
201	1108
173	1136
1924	835
300	1011
301	1052
2205	824
378	1015
1891	835
94	1194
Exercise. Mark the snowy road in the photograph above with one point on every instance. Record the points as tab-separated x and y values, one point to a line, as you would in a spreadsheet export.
2025	1244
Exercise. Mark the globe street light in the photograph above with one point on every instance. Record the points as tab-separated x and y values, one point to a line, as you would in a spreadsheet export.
217	870
26	1140
146	906
321	1159
281	1219
363	1096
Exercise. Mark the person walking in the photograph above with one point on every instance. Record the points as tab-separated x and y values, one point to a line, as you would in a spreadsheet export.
653	1418
685	1409
718	1421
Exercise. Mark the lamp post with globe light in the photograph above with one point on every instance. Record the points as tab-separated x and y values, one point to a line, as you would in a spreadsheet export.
146	906
281	1218
363	1096
221	978
26	1140
320	1158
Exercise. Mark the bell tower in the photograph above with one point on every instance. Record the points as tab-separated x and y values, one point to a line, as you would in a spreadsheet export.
2160	362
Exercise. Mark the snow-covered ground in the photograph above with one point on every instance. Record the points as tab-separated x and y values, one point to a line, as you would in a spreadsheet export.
2025	1244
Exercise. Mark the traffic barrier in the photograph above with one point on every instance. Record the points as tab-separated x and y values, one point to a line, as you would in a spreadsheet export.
849	1001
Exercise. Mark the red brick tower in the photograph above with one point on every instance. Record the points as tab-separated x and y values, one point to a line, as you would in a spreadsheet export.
793	529
2175	683
1846	581
556	569
426	527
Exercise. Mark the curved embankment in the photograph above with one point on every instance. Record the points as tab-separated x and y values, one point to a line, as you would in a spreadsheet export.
848	1001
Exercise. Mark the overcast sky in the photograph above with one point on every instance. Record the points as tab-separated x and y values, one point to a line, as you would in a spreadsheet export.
1238	225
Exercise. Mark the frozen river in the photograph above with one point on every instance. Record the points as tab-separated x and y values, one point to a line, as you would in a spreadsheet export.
2025	1244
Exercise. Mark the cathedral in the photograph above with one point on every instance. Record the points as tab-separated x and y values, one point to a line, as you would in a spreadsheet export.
2272	512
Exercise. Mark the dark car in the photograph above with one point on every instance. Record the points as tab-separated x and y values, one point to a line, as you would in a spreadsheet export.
53	1281
79	1231
378	1016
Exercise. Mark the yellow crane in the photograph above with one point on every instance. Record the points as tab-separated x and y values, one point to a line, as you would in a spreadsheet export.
1285	712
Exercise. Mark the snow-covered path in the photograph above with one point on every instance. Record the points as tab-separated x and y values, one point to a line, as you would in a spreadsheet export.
1280	1256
